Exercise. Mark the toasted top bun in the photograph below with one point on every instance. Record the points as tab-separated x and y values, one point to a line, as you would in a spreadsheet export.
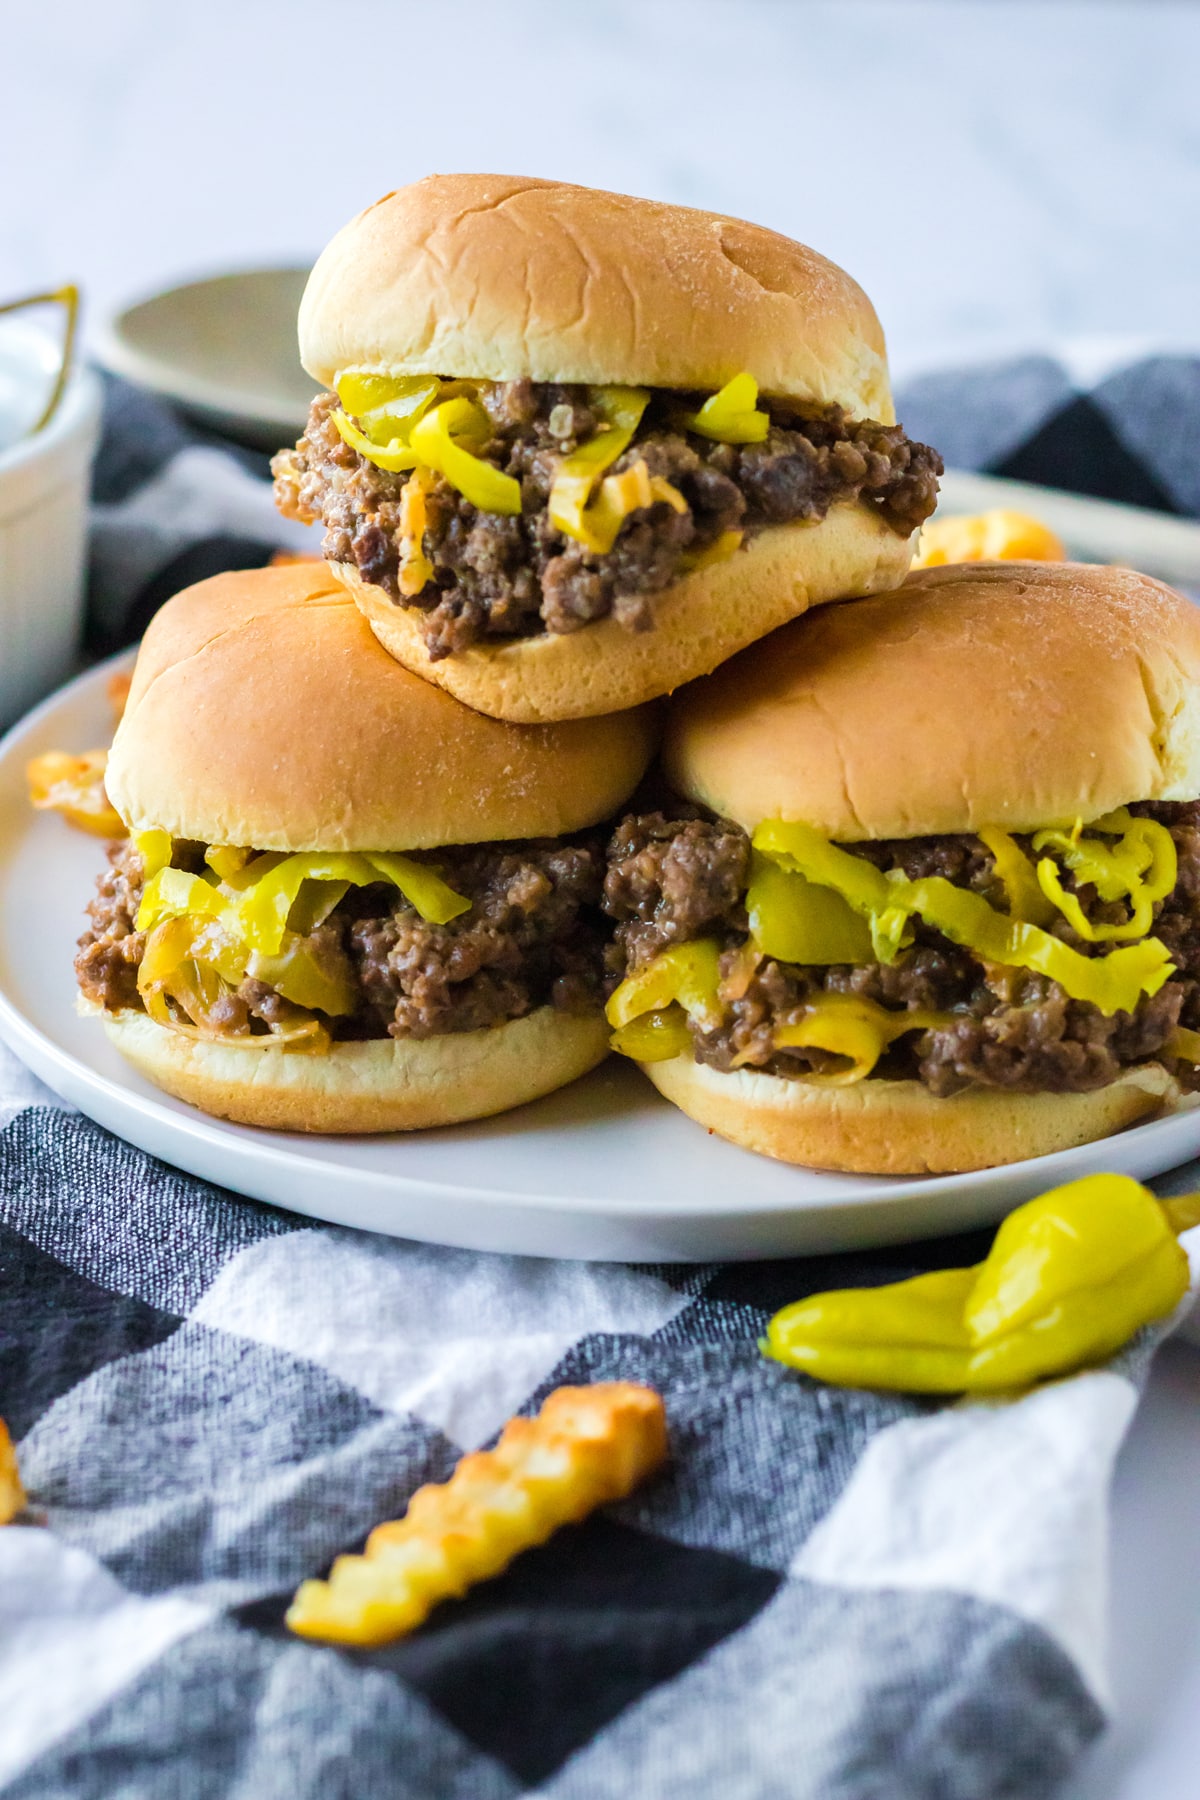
1011	694
264	712
496	276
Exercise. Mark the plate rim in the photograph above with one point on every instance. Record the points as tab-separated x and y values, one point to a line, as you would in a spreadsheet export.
215	399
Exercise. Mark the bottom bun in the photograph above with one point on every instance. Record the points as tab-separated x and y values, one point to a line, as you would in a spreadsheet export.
699	622
386	1084
899	1127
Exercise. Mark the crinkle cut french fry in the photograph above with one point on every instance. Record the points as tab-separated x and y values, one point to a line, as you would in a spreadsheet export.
12	1494
586	1447
74	787
999	535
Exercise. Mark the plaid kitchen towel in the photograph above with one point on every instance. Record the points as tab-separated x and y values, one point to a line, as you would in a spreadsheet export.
828	1595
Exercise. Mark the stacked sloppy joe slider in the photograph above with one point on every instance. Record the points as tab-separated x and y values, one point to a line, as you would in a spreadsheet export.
347	903
576	449
928	894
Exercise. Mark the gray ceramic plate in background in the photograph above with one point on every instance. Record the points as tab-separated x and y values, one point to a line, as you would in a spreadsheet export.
224	349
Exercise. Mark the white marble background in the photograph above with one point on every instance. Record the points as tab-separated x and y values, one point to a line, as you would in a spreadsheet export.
995	172
999	174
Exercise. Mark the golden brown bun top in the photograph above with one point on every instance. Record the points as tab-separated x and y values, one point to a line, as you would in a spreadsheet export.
1012	694
264	713
496	276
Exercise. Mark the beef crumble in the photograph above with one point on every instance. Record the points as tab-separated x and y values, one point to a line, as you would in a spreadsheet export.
673	878
533	937
499	576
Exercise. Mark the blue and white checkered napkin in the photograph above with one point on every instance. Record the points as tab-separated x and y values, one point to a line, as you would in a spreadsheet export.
828	1594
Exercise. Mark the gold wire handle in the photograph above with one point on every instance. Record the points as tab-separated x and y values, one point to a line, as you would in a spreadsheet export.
68	298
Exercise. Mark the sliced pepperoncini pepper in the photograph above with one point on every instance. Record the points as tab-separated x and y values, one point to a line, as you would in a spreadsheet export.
394	457
654	1036
1114	983
1143	865
848	1026
731	416
1070	1277
155	849
437	440
386	406
620	410
797	921
687	977
1019	876
254	918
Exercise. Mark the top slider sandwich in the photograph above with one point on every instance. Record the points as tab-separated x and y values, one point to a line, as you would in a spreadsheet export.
576	449
929	896
348	903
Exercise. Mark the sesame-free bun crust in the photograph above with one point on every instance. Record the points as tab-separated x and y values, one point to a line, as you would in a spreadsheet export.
264	713
497	276
388	1084
1010	694
698	622
879	1127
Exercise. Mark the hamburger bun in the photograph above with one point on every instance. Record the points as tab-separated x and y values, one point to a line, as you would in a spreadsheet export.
386	1084
699	622
1010	694
879	1127
264	713
500	276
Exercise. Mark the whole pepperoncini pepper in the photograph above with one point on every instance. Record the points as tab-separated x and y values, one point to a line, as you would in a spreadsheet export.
1070	1277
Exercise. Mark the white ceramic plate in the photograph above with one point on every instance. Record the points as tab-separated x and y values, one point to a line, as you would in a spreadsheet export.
224	349
603	1169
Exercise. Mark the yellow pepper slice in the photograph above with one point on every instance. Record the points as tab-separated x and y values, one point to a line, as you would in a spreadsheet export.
256	902
318	984
386	406
225	860
1144	865
436	442
1114	983
849	1026
654	1036
687	973
265	909
731	416
394	456
172	893
620	410
155	849
797	921
1069	1279
1025	897
205	937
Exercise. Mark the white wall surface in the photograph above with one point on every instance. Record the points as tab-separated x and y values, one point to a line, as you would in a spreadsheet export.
995	172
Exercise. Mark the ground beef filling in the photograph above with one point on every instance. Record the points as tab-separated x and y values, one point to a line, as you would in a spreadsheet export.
496	576
534	937
671	878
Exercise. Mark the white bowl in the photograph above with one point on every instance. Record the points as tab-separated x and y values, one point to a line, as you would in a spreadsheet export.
43	515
